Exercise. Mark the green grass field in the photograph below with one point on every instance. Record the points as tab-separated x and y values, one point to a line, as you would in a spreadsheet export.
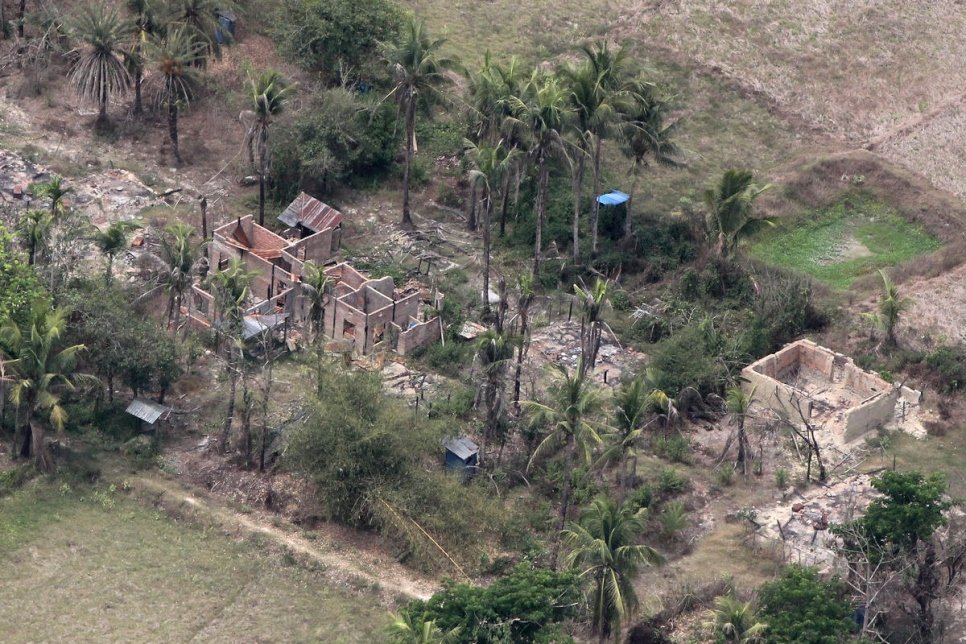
843	242
95	566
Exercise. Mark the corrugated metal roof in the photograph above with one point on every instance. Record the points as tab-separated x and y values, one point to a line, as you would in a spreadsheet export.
311	213
462	447
255	325
147	410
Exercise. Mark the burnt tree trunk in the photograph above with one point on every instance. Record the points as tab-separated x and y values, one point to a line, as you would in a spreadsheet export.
594	205
173	131
578	192
543	180
407	219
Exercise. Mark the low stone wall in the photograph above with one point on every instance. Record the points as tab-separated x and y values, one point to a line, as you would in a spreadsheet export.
420	335
871	414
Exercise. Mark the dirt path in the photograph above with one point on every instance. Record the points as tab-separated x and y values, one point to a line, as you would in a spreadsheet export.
390	579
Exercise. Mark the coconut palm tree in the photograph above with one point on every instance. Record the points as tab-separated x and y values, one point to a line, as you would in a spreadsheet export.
489	164
174	57
524	300
145	26
199	21
603	548
738	404
98	73
647	135
111	242
55	191
269	92
316	287
734	621
730	206
176	265
571	422
34	228
40	370
494	351
232	288
592	302
418	72
890	307
541	114
409	628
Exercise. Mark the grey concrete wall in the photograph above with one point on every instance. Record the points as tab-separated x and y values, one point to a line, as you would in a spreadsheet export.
870	415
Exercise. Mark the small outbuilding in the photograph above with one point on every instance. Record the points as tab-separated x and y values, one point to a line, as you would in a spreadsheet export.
150	413
462	455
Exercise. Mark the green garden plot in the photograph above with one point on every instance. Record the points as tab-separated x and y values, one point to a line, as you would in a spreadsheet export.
843	242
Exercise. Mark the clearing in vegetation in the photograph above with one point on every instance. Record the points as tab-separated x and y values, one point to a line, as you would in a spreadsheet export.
108	568
836	245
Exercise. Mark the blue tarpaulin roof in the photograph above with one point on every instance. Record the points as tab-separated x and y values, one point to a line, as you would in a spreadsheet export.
613	198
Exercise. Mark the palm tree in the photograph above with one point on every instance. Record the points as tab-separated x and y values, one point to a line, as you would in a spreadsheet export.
316	287
99	71
730	210
232	288
489	164
418	72
177	264
592	303
734	621
541	114
174	57
409	628
572	423
739	403
145	26
891	307
494	350
647	135
199	21
112	241
269	92
53	190
41	370
34	228
524	300
604	550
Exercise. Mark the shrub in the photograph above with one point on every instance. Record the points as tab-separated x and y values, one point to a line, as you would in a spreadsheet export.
674	448
458	403
800	608
642	497
949	363
674	519
689	358
725	476
450	359
671	482
781	478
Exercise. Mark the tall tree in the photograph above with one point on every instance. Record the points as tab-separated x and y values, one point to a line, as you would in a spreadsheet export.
269	92
524	300
541	114
174	58
232	288
316	287
41	370
738	404
730	210
489	164
647	135
198	20
592	303
571	422
494	350
112	241
891	307
418	73
98	73
34	230
145	26
604	549
176	266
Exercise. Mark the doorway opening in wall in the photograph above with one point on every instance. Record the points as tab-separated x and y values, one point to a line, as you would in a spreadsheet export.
378	334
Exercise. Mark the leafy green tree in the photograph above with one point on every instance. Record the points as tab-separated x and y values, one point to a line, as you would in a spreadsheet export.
730	210
732	620
647	135
329	36
112	241
541	113
912	507
269	91
523	606
800	608
21	286
603	548
55	191
418	72
891	307
98	73
34	229
174	57
41	370
571	422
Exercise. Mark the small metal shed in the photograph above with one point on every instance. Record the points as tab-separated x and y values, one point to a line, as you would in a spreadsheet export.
148	412
461	454
225	32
